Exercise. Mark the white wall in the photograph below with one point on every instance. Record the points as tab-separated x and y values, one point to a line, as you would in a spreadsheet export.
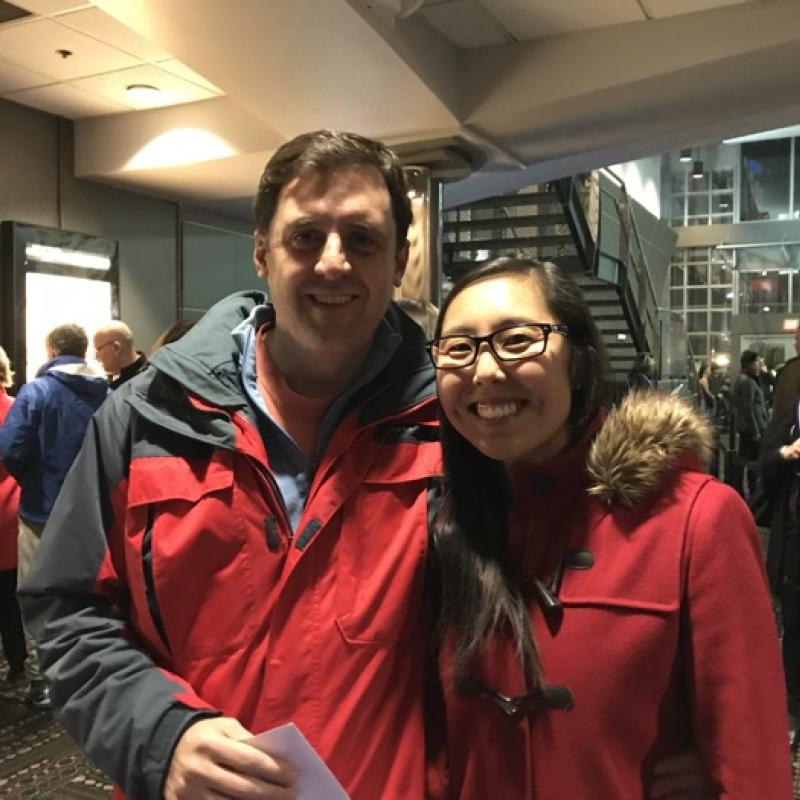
643	182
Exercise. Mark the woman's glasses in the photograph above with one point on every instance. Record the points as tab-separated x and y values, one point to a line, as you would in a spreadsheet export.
510	343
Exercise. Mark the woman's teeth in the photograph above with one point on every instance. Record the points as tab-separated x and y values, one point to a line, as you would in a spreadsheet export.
497	410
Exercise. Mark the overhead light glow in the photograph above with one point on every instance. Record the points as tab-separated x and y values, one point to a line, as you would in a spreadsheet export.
791	324
766	308
65	257
145	95
621	337
686	155
697	170
721	359
180	146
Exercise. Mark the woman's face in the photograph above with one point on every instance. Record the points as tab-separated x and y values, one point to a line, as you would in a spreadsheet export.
509	410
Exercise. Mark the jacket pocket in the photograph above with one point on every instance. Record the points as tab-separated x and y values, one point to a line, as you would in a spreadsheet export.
195	557
381	556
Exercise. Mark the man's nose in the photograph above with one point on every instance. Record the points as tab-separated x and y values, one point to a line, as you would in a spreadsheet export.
332	262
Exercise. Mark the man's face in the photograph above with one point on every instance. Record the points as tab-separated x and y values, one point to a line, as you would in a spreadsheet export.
330	258
107	352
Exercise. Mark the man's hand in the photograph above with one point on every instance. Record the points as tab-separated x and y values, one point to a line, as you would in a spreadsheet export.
211	762
682	777
791	452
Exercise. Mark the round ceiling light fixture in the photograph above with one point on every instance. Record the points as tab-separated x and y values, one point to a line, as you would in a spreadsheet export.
144	93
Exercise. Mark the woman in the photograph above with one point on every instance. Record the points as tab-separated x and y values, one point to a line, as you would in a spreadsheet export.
11	633
618	615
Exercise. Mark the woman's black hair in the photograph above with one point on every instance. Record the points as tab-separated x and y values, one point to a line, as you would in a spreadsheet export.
481	595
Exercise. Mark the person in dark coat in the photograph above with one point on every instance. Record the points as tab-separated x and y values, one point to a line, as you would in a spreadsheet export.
113	348
38	443
780	473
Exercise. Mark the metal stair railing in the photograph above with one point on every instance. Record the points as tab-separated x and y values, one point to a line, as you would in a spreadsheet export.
571	195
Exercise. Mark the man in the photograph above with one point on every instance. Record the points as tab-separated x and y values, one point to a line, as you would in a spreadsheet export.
787	383
242	539
38	443
750	413
113	348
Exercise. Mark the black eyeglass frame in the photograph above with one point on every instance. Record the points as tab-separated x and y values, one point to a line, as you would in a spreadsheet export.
547	329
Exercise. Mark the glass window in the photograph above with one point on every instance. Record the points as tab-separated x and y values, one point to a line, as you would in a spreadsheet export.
676	299
676	275
722	203
696	297
697	275
721	274
721	219
697	321
699	343
720	322
722	298
722	179
763	292
698	205
698	184
719	343
678	177
697	254
796	178
765	179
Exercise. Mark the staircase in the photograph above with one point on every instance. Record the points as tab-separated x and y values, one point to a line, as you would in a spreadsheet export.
548	222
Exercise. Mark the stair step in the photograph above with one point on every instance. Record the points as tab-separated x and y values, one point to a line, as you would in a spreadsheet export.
511	201
505	244
503	223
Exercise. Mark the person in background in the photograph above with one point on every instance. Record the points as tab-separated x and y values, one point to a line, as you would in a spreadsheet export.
787	382
423	312
39	440
11	633
175	331
641	375
707	402
241	543
619	615
779	464
749	415
113	348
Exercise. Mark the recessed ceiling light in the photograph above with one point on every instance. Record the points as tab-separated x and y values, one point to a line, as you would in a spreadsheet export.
686	155
144	93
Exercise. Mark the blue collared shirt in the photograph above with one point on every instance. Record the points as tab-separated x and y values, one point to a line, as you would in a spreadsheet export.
292	471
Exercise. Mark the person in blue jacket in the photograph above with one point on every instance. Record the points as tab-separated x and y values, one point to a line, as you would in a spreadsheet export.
38	443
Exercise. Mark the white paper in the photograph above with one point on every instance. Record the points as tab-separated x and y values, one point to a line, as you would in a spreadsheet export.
315	781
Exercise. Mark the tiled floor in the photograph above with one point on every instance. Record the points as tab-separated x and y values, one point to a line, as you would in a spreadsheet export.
37	759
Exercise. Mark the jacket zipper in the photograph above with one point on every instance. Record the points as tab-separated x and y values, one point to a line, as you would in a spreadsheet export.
149	580
322	470
271	487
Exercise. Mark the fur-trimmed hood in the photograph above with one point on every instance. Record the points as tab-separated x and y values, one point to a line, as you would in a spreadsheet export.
640	441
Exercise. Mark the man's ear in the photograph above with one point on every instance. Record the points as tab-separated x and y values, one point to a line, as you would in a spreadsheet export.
260	254
401	262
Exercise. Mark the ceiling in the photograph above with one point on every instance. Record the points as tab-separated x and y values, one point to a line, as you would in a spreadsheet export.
512	91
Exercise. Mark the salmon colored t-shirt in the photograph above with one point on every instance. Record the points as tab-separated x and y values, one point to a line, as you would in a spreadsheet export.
300	416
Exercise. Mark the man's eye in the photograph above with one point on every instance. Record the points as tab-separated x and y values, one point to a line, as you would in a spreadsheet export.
305	240
362	242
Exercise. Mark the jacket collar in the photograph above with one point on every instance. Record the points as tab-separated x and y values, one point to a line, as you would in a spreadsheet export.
643	439
205	363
